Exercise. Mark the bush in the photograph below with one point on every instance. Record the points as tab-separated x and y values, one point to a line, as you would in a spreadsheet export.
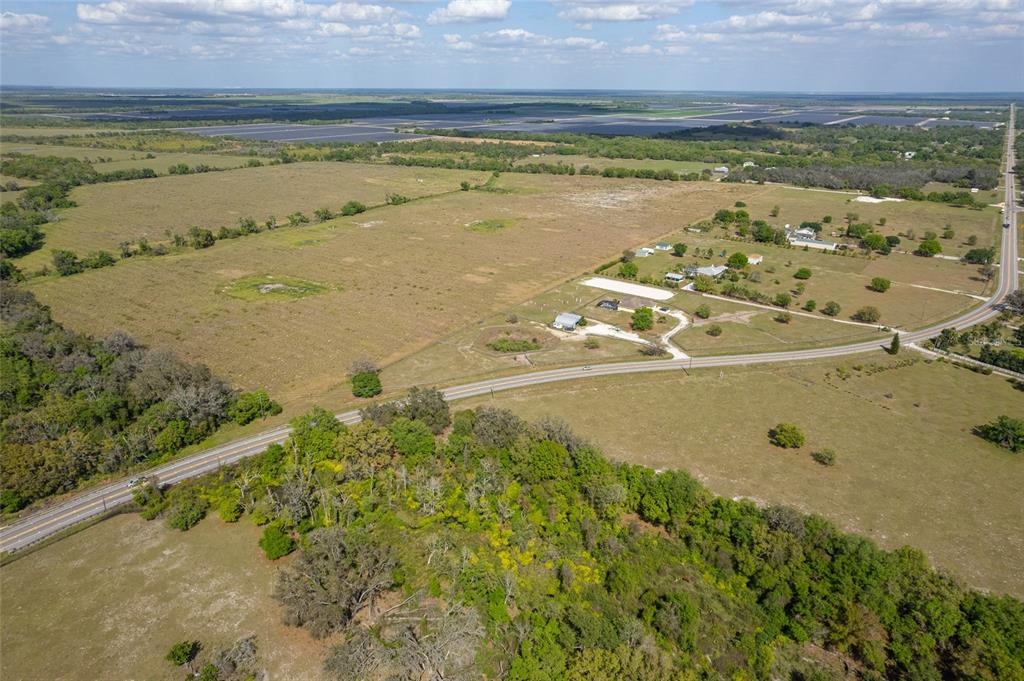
928	248
737	261
186	507
276	543
783	317
782	299
868	314
714	330
702	311
826	457
1006	432
591	343
880	284
643	319
802	273
353	208
787	436
810	305
831	308
513	345
366	384
183	652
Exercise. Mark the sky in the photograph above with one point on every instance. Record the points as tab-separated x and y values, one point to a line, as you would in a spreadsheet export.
678	45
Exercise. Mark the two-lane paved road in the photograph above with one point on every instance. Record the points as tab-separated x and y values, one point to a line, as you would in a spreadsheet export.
86	505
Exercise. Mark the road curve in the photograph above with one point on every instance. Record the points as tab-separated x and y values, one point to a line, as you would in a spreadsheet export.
81	507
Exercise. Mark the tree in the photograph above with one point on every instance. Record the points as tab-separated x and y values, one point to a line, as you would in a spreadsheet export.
880	284
66	263
679	249
947	339
810	305
894	345
1005	431
877	242
972	240
323	214
782	299
250	406
1014	302
643	319
802	273
413	439
275	542
831	308
182	653
200	238
464	186
775	211
787	436
714	331
702	311
980	256
928	248
703	283
737	261
948	232
814	226
366	384
628	270
868	314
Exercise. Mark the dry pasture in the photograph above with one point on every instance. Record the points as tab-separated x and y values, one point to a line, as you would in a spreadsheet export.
400	277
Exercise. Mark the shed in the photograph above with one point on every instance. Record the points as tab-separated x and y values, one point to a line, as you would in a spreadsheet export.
567	321
674	276
644	252
662	246
755	259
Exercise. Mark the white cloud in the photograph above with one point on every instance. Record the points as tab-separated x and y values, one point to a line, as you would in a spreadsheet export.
638	49
23	23
586	11
470	10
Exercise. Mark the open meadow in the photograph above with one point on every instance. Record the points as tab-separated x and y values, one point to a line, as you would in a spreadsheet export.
387	282
119	594
112	212
908	469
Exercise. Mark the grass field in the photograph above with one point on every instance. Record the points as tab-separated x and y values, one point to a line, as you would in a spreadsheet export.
602	163
26	131
911	302
110	213
115	597
402	277
798	205
908	472
109	160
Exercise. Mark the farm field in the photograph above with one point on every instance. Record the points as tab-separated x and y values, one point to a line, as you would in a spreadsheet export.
395	279
909	471
42	131
119	594
112	212
599	162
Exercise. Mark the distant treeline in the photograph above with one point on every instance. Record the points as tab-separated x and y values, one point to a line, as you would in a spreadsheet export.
884	180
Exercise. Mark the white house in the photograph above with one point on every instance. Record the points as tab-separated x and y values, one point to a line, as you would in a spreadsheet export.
812	243
662	246
713	271
566	321
755	259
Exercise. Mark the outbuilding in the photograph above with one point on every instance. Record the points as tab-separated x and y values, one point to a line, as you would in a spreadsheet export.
567	321
722	169
674	276
644	252
609	304
662	246
755	259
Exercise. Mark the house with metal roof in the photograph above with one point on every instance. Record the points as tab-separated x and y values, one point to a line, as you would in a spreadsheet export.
567	321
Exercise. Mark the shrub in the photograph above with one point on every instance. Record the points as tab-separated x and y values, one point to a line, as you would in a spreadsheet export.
366	384
187	506
783	317
868	314
880	284
787	436
802	273
591	343
782	299
353	208
643	319
737	261
628	270
183	652
513	345
702	311
928	248
1006	432
826	457
714	330
810	305
703	283
831	308
275	542
679	250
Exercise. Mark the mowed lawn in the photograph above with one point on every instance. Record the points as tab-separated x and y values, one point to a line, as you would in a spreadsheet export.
909	471
394	279
110	213
115	597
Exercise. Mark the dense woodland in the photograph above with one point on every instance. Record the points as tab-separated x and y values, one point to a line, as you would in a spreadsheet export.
480	545
72	407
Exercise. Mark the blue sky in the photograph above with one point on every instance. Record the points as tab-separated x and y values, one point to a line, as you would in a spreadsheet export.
795	45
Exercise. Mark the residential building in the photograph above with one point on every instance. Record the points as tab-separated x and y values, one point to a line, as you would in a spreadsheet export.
713	271
567	321
675	276
662	246
609	305
644	252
